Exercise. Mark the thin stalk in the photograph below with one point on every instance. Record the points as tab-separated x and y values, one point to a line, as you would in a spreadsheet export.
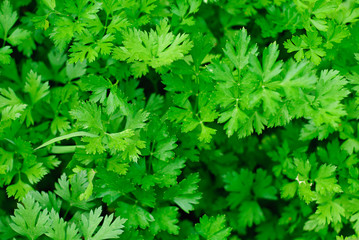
5	38
67	211
197	92
67	136
65	149
151	157
105	27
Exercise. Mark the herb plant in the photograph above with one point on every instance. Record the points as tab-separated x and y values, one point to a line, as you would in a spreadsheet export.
183	119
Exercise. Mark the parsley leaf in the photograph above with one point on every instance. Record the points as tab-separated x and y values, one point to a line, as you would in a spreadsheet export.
213	227
155	48
110	229
29	220
185	194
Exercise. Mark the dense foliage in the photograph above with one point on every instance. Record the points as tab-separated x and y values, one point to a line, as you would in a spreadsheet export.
186	119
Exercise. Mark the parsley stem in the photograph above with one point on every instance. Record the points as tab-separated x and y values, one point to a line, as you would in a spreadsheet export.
67	136
5	38
10	141
106	21
67	211
197	92
151	157
65	149
129	197
195	103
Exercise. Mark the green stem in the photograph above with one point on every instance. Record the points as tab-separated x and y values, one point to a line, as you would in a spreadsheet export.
105	27
65	149
151	157
67	136
130	198
10	141
197	92
67	211
154	82
195	103
5	38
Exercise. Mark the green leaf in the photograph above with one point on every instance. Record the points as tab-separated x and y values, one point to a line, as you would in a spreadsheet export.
335	34
29	219
63	32
240	51
61	230
76	70
250	212
88	116
355	218
166	173
356	56
185	194
5	57
87	9
221	72
106	185
306	45
206	133
155	48
350	146
136	119
239	186
117	24
136	215
71	190
162	144
330	90
88	48
59	124
7	18
303	168
50	3
118	142
111	227
270	66
34	173
18	36
329	212
41	22
94	145
202	45
81	52
132	152
321	25
35	88
288	190
213	228
233	119
12	112
166	219
262	186
47	200
104	45
6	232
325	181
18	190
164	149
98	85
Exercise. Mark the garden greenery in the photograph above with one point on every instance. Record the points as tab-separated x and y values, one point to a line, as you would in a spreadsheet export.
179	119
